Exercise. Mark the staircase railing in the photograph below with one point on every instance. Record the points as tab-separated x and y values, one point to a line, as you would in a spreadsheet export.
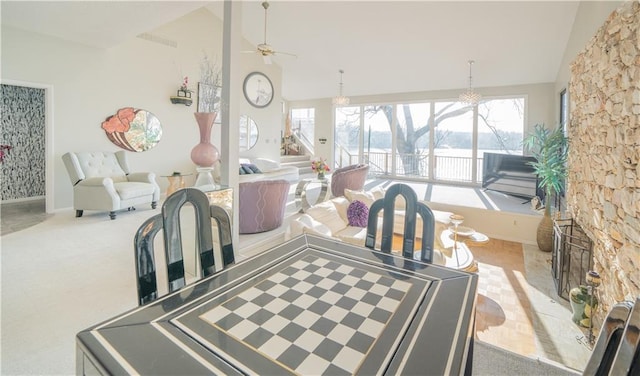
302	139
345	158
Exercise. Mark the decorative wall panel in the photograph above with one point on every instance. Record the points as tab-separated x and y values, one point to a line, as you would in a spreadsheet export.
23	129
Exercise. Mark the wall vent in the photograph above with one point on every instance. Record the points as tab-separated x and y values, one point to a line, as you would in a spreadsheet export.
156	39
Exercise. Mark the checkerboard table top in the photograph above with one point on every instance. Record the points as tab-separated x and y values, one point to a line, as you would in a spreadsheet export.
314	316
311	306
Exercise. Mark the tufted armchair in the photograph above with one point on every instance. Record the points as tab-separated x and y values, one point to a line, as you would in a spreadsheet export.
102	181
262	205
349	177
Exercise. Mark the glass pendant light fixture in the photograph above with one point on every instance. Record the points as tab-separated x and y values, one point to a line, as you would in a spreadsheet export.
340	100
470	97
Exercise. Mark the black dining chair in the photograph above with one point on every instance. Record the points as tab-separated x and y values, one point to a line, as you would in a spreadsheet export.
412	208
169	221
616	351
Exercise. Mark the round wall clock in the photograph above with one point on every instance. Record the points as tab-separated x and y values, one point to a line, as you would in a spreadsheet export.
258	89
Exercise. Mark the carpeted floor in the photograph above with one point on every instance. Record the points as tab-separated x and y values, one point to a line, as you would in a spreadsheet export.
490	360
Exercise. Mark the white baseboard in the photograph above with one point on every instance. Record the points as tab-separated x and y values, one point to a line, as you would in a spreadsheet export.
25	199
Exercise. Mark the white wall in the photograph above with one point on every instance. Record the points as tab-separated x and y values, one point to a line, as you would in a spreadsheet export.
90	84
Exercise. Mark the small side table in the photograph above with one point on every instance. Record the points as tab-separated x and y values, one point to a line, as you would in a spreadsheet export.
301	193
176	181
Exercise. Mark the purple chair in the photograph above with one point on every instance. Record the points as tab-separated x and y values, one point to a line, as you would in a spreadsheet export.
349	177
262	205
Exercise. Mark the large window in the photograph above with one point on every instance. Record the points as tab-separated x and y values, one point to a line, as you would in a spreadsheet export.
412	139
378	139
453	143
347	136
500	128
436	140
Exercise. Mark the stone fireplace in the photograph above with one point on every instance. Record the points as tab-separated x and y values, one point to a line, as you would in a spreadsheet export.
603	187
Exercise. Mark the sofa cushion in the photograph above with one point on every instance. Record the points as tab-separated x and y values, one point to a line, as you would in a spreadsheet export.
364	196
341	204
266	169
266	164
358	214
128	190
308	225
250	168
327	214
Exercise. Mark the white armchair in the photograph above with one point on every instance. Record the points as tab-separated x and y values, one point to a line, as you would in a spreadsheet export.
102	181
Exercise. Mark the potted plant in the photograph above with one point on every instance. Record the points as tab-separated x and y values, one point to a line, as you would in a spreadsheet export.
550	148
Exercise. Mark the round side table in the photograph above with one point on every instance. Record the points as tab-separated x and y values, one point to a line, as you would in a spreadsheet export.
176	181
302	202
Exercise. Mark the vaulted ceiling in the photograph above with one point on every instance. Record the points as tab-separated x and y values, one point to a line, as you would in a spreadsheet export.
383	46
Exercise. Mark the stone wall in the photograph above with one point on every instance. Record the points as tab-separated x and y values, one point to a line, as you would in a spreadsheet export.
603	188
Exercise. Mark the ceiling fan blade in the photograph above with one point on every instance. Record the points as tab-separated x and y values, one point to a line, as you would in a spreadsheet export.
284	53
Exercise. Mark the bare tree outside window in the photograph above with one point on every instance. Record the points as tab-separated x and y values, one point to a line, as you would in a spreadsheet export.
453	153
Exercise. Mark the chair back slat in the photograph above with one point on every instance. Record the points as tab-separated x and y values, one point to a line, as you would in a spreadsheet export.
608	340
627	359
169	221
412	208
145	259
224	233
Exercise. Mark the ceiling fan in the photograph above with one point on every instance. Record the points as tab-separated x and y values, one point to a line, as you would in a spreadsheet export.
265	49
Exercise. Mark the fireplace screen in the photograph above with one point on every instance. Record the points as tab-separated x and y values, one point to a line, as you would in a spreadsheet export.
571	257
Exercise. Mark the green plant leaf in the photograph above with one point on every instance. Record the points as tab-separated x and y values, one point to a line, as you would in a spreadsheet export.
550	148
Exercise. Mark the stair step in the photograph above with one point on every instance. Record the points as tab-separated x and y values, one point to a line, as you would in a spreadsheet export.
300	164
294	158
305	170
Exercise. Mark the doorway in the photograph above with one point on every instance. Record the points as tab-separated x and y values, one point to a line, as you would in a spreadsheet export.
27	128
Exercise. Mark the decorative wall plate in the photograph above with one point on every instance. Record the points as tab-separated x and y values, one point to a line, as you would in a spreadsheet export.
133	129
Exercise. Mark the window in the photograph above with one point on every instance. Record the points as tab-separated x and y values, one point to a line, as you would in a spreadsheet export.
453	142
500	128
347	136
412	139
435	140
564	110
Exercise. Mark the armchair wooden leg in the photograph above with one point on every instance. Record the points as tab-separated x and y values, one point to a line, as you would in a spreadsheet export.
79	213
154	204
112	215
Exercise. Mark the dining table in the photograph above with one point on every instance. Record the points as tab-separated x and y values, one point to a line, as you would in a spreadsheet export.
309	306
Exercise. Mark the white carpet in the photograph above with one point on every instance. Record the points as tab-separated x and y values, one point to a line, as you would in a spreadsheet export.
66	274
